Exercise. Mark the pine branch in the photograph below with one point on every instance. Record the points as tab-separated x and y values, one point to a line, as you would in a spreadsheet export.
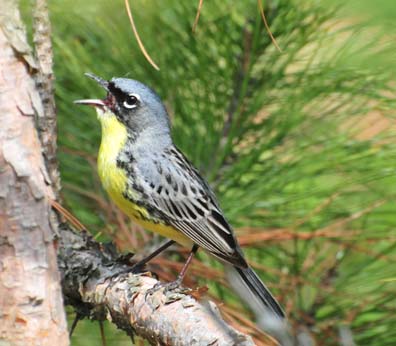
235	102
95	283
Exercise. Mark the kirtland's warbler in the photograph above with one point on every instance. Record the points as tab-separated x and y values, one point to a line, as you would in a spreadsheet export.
154	183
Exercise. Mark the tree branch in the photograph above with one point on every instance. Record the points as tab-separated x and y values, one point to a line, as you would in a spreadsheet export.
235	102
91	284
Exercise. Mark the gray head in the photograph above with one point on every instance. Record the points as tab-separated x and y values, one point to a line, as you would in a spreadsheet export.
134	104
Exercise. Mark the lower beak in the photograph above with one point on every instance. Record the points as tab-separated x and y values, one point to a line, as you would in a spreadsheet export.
91	102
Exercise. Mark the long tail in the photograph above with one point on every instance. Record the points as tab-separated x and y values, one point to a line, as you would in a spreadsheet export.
255	293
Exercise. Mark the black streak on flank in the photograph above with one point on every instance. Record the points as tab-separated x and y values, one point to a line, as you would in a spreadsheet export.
140	189
122	164
125	161
152	211
129	198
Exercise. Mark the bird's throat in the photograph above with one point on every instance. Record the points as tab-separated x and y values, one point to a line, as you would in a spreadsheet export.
114	137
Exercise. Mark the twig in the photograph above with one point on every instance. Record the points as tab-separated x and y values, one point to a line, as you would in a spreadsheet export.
139	41
197	16
284	234
68	216
334	230
102	333
235	100
261	8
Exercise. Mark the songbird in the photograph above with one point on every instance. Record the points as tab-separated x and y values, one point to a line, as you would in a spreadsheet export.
151	181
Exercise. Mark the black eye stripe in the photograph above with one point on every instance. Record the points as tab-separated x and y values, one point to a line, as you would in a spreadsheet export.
123	99
116	92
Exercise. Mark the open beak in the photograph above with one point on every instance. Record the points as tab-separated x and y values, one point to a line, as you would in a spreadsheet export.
102	82
95	102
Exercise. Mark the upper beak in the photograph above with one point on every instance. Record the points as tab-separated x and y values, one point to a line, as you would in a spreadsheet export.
102	82
95	102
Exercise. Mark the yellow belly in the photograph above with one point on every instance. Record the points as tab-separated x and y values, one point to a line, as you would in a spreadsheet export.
114	180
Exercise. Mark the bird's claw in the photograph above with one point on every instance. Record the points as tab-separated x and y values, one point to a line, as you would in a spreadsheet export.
166	286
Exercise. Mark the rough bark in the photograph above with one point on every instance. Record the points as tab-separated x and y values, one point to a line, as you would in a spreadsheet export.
46	122
31	306
91	284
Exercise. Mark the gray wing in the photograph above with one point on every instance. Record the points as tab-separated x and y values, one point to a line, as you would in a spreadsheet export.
177	193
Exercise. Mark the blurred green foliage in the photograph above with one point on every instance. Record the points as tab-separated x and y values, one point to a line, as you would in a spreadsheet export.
299	145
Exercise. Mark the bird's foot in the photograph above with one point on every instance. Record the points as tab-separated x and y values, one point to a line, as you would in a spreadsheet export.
134	269
174	287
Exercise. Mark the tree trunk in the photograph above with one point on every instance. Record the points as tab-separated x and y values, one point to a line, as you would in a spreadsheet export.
31	305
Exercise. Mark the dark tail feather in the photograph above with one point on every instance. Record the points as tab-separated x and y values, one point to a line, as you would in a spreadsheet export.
259	292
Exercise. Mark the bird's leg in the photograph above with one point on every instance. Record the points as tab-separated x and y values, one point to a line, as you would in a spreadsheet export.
77	318
142	262
182	273
137	267
175	284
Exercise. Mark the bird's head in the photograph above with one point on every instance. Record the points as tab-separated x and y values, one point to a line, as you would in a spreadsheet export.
132	104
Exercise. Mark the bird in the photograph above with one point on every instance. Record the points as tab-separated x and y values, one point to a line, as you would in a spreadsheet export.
155	184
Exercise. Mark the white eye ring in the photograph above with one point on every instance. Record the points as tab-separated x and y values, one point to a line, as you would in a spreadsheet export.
131	101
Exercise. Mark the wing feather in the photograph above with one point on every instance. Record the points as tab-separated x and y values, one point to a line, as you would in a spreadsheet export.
184	200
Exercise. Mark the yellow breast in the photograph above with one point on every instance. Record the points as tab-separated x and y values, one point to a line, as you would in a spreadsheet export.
114	137
114	179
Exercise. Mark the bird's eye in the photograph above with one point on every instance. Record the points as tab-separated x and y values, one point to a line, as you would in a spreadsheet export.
131	101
